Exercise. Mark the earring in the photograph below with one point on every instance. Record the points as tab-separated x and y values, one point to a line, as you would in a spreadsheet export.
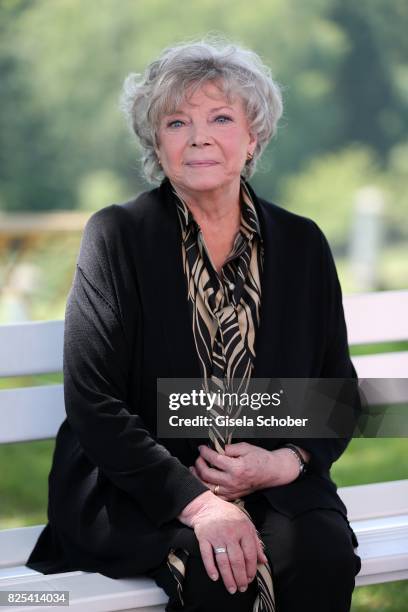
159	161
249	156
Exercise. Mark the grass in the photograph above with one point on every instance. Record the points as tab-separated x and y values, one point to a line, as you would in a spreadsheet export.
24	482
373	349
389	597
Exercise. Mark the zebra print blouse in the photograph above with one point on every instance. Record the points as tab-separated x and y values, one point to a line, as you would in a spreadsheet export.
225	313
213	297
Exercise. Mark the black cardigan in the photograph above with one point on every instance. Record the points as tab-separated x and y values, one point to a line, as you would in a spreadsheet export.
115	489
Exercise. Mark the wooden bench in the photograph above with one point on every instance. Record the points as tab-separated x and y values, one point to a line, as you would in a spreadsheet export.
378	512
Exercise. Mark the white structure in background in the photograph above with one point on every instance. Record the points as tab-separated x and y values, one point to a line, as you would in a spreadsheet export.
15	299
20	235
366	238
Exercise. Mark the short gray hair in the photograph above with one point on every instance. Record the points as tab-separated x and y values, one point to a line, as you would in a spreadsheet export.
160	90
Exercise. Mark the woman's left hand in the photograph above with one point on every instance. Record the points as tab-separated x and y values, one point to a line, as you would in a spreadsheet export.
243	469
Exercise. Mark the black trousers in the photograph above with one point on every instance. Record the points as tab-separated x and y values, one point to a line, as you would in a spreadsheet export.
311	556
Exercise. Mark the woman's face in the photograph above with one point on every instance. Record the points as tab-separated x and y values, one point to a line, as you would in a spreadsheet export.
204	145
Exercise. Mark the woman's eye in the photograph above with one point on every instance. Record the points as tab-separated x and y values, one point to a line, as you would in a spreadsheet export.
175	123
223	119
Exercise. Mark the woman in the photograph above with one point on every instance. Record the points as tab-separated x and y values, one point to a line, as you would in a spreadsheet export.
199	278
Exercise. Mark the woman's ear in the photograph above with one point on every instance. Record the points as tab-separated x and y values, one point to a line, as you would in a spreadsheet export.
157	151
156	143
253	140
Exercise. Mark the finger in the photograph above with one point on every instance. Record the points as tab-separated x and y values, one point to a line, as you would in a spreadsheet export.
236	450
238	565
225	570
217	459
207	555
262	558
211	474
210	486
250	550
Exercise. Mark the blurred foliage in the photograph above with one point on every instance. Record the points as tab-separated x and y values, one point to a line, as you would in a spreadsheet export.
342	66
65	145
325	189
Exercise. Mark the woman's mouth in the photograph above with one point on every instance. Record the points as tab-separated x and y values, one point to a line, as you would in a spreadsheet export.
201	163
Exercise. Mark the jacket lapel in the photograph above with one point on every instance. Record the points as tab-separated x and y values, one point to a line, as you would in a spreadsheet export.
266	363
173	308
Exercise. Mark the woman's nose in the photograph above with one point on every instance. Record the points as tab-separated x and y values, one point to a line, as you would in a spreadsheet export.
199	136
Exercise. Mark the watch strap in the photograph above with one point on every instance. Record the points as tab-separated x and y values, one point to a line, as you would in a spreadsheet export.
302	462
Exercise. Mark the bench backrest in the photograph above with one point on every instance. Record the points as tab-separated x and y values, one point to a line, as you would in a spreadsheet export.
35	413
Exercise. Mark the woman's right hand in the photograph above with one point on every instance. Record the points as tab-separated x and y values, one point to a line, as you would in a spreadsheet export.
221	523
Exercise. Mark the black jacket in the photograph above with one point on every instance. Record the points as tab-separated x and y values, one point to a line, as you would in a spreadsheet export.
115	489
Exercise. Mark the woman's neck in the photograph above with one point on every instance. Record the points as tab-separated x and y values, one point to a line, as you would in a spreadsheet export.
217	209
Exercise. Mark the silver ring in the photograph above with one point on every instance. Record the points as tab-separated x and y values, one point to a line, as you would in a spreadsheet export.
216	489
219	549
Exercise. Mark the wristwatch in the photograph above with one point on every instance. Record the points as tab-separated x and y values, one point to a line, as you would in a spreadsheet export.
302	462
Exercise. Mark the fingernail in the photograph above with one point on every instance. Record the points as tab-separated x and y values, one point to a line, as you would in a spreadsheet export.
232	590
214	576
242	589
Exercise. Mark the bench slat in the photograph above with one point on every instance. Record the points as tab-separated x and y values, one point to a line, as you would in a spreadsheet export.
376	317
32	347
31	413
374	500
16	544
385	365
36	413
383	390
383	548
366	502
35	347
16	571
94	592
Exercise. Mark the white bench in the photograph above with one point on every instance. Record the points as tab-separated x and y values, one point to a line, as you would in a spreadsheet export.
378	512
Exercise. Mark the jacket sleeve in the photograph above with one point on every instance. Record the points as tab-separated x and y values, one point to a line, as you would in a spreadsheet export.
336	359
97	364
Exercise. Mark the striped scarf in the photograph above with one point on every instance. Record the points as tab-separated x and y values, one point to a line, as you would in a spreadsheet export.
225	312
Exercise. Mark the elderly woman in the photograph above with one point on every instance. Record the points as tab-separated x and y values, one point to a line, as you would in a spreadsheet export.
199	278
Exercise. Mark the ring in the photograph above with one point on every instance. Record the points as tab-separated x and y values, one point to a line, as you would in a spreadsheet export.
216	489
219	549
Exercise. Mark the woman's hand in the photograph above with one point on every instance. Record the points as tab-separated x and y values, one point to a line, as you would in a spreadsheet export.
243	468
219	523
